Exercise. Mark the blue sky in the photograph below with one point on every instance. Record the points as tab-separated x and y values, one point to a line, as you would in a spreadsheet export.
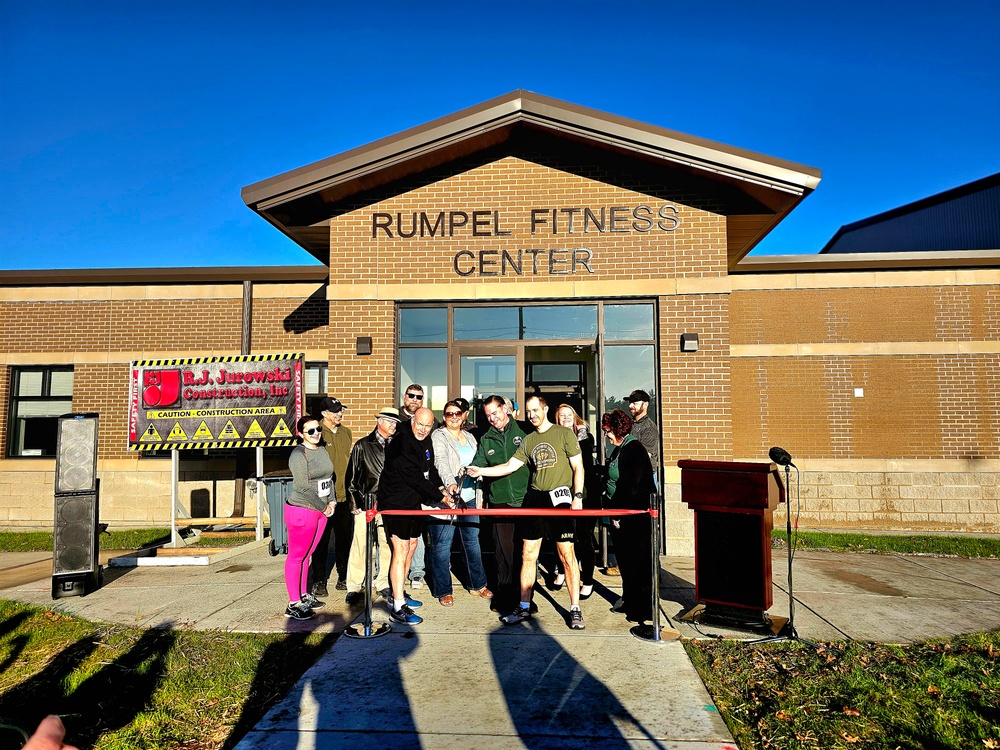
127	131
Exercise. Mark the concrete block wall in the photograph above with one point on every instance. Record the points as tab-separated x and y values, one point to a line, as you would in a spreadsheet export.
917	500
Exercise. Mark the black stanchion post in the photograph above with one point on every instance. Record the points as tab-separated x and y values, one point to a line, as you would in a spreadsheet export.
368	629
651	632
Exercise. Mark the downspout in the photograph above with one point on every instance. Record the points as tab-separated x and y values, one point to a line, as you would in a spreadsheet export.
242	454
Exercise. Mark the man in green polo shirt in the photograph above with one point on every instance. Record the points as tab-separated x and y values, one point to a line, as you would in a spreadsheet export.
497	446
552	454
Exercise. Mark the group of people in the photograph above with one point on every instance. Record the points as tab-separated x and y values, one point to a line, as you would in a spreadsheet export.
409	463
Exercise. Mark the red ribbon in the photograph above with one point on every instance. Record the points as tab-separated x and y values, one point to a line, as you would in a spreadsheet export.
510	512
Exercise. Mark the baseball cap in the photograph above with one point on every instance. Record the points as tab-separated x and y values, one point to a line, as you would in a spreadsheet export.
331	404
638	395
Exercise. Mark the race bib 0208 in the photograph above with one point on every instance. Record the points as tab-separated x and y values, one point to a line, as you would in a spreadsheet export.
561	496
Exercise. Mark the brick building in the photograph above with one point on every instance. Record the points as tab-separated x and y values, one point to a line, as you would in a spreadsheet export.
528	245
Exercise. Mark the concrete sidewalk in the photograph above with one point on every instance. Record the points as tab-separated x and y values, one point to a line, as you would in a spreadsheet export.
462	680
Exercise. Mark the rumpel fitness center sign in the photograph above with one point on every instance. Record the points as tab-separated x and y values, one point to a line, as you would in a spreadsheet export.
215	402
575	220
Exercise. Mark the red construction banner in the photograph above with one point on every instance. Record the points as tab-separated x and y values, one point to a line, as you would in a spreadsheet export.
215	402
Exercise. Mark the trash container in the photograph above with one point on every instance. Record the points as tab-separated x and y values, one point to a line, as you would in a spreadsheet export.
277	488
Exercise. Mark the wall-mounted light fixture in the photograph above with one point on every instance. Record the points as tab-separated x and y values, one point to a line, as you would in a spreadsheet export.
689	342
364	347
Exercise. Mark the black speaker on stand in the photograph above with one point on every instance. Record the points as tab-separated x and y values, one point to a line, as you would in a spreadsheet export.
75	556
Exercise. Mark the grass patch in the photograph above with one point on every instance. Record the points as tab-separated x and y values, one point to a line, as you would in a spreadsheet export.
118	687
905	544
233	539
940	694
40	541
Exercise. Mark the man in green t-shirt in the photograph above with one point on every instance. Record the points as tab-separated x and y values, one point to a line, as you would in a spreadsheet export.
552	453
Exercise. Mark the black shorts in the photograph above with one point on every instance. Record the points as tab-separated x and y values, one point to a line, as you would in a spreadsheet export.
403	527
559	528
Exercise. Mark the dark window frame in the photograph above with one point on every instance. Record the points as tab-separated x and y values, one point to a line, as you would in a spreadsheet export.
13	427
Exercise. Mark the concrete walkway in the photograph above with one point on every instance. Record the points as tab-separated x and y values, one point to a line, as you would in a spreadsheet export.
461	680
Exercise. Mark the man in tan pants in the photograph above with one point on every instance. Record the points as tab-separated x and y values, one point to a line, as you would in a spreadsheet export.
363	472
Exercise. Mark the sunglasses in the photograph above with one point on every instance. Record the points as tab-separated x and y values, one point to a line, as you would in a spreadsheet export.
313	431
415	396
450	414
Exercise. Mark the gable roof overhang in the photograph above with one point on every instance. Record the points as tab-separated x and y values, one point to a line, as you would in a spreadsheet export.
754	192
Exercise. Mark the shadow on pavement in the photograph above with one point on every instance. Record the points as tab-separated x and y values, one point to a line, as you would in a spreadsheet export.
281	667
551	696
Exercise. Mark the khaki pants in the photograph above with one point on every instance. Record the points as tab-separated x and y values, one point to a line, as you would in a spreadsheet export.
356	561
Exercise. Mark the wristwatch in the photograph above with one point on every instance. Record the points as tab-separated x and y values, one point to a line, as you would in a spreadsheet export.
578	496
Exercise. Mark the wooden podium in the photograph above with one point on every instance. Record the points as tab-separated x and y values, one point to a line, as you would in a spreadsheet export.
733	504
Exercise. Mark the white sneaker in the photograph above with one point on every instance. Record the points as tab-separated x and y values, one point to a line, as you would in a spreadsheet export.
417	583
586	591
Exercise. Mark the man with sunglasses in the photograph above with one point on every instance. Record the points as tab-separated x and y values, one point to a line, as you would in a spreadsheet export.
413	399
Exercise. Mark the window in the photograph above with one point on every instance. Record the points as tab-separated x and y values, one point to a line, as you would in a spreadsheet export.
628	322
627	368
315	385
487	323
39	395
429	368
423	325
560	322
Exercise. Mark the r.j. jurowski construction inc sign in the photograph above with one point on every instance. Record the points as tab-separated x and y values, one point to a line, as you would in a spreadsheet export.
215	402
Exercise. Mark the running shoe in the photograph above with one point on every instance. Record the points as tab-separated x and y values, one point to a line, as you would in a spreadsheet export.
319	589
405	615
311	602
417	583
298	611
518	615
576	619
354	597
410	601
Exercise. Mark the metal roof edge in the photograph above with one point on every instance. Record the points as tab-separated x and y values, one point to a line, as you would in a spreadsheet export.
918	205
867	261
525	105
205	275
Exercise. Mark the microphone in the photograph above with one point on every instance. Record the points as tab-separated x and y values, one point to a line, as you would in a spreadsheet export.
780	456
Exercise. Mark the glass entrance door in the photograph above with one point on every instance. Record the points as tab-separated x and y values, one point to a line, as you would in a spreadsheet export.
482	372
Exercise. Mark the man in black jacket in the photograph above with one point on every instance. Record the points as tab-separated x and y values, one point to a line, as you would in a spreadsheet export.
408	480
363	472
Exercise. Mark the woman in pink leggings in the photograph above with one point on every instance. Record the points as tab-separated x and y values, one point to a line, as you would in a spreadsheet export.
306	512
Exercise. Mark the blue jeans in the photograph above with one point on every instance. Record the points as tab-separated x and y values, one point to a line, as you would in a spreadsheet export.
417	563
440	535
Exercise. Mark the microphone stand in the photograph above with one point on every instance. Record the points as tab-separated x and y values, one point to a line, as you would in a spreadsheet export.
788	632
368	629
